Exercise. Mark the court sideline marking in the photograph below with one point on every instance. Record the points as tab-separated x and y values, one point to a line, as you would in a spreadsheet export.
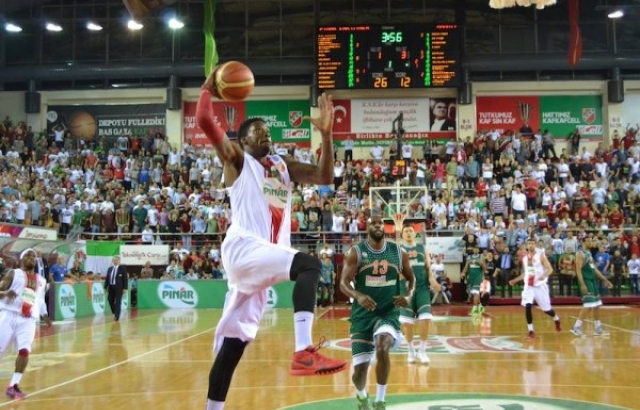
84	376
622	329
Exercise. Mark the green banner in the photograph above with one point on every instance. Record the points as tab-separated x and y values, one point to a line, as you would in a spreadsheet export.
200	294
561	115
82	299
209	28
284	119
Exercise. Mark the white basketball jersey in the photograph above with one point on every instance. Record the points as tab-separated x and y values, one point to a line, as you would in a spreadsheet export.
533	270
261	200
28	300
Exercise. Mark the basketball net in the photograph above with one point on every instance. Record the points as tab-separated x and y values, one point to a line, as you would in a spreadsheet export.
502	4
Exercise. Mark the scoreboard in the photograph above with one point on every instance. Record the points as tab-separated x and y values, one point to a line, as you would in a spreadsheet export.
388	56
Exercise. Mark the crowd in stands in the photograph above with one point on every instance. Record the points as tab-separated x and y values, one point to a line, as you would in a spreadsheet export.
497	189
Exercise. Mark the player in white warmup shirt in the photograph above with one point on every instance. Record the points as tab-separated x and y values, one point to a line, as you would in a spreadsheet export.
21	303
256	251
535	271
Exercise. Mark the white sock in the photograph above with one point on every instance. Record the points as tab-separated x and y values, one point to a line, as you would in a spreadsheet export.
17	377
556	318
362	393
381	391
302	325
578	324
598	324
530	327
423	345
215	405
412	348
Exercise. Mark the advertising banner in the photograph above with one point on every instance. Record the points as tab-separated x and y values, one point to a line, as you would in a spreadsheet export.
630	112
561	115
370	122
200	294
141	254
449	248
284	119
28	232
90	122
83	299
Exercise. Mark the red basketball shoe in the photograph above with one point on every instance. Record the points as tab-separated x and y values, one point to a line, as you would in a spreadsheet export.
14	392
311	363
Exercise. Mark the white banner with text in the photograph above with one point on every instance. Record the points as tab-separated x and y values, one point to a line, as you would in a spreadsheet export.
141	254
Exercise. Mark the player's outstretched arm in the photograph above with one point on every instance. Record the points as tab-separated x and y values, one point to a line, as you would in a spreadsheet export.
226	150
516	279
322	173
548	269
604	279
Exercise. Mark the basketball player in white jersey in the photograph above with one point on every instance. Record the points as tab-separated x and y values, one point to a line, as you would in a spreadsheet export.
256	251
21	303
535	271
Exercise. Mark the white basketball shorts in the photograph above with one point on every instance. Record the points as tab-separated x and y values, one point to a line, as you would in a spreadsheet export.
252	265
15	326
539	294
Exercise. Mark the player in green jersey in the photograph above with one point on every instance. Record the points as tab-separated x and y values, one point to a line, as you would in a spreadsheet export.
420	305
588	275
375	267
474	270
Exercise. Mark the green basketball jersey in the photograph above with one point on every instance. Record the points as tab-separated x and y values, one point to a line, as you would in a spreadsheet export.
474	264
378	274
417	258
588	266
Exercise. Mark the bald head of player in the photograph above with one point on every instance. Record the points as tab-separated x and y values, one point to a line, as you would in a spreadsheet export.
375	226
254	137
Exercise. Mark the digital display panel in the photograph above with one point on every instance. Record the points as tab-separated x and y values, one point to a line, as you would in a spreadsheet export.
388	56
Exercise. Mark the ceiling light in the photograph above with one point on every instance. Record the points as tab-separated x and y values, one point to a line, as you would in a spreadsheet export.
93	26
616	14
134	25
175	24
53	27
12	28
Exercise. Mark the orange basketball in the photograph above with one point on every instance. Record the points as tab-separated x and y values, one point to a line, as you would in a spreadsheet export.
234	81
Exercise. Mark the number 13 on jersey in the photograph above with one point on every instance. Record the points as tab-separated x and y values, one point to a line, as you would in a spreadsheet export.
380	267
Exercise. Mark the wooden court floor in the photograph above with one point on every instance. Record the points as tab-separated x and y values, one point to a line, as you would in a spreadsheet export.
161	359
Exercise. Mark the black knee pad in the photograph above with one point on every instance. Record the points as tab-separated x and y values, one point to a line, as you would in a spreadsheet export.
304	264
223	368
529	313
305	271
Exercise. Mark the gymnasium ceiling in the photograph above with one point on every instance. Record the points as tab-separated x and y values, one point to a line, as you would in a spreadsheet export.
284	29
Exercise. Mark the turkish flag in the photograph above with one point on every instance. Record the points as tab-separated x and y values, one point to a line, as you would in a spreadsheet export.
342	117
